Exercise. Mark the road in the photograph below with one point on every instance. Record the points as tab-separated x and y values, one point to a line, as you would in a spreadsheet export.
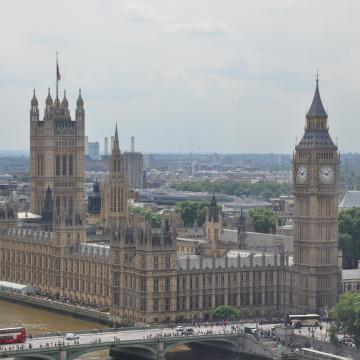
108	336
138	334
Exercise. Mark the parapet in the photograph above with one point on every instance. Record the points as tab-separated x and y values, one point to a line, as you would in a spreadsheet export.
234	259
93	251
29	235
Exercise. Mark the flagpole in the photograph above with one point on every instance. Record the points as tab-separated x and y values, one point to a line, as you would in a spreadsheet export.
57	80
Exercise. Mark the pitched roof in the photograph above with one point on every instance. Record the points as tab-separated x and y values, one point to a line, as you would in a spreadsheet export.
351	199
317	108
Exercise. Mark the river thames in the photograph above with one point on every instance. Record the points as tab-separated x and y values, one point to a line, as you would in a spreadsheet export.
38	321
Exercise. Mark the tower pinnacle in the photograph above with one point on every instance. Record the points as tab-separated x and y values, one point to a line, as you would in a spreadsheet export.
116	139
34	101
317	110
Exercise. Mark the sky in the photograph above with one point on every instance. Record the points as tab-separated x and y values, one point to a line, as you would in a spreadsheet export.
230	76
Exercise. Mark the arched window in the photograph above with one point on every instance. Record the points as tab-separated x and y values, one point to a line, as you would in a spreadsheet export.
70	165
57	201
64	165
155	263
71	206
167	262
119	200
64	205
57	165
111	199
38	164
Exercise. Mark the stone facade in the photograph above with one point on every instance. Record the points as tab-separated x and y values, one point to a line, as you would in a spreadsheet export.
142	276
317	266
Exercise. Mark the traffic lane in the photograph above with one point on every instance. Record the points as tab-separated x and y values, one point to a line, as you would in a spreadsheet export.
89	338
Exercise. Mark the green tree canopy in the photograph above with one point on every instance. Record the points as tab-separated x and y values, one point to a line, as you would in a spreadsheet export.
265	189
191	211
225	312
346	315
264	220
349	236
155	219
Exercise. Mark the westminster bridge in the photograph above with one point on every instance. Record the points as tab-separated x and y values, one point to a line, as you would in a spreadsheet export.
149	344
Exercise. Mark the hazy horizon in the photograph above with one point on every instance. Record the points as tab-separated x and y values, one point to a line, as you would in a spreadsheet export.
184	77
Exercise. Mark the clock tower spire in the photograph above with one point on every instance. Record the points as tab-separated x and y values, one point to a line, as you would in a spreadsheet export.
317	271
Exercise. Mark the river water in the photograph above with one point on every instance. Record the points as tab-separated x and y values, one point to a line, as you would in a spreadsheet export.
38	321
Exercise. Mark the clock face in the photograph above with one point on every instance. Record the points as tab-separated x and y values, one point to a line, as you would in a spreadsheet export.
326	175
301	174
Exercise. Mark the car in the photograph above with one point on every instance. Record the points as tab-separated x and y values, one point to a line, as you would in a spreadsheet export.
180	328
189	331
72	336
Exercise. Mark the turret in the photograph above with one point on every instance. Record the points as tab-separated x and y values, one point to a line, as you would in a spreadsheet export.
64	102
80	112
34	110
213	210
49	100
65	105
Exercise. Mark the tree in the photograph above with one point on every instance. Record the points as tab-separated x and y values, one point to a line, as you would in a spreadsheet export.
155	219
264	220
349	236
191	211
266	189
225	312
346	315
332	334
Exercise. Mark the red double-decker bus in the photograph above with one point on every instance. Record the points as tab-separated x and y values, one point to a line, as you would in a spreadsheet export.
12	335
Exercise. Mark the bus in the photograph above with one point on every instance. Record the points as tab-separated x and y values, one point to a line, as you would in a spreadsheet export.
304	320
12	335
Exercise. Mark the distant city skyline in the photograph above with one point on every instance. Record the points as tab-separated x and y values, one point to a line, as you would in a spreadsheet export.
184	77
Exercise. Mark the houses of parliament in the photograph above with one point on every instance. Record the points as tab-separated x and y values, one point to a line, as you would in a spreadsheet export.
141	275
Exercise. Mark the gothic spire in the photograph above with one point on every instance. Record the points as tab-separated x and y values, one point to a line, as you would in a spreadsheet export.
65	102
80	101
213	200
316	110
115	157
34	101
49	100
116	140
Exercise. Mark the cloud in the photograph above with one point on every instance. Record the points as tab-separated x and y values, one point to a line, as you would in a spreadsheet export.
141	13
203	28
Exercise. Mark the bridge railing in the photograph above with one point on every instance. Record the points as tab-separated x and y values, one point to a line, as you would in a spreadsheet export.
109	344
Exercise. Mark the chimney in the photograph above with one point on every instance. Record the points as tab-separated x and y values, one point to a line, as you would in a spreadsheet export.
106	149
132	144
358	264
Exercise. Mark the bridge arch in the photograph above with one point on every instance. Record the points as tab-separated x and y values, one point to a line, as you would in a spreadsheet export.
127	348
231	344
37	357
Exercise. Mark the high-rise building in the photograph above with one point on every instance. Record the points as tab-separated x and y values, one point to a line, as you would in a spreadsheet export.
112	142
133	164
94	150
317	271
106	146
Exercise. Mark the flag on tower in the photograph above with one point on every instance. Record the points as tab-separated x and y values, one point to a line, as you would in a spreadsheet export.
58	76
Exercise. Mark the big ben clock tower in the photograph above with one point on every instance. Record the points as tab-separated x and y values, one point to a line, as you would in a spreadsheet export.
317	272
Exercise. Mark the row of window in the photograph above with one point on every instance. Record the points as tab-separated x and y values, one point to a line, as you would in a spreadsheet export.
64	165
